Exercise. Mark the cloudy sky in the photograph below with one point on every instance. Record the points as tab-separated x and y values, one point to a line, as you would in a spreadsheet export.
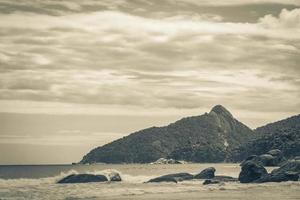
77	74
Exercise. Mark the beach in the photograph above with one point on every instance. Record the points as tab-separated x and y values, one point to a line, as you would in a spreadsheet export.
42	184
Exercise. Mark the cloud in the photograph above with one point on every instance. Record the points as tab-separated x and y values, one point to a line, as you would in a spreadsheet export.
286	19
183	60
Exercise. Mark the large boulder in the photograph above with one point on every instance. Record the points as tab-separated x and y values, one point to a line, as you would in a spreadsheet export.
172	178
251	171
271	158
83	178
114	176
287	172
207	173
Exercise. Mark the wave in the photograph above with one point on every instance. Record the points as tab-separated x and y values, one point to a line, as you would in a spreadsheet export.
45	188
33	181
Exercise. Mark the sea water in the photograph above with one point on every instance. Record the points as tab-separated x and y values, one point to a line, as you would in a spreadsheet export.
39	182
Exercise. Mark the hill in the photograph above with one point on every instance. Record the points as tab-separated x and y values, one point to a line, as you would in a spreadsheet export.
283	135
206	138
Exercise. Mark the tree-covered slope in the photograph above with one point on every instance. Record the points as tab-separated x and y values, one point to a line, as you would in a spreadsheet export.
283	135
205	138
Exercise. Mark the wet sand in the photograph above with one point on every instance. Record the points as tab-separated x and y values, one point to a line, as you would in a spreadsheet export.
269	191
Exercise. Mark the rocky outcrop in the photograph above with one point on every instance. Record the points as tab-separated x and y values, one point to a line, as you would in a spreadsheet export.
83	178
251	171
172	178
166	161
283	135
271	158
289	166
207	173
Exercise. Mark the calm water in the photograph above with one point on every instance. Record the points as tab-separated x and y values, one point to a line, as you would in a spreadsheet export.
39	182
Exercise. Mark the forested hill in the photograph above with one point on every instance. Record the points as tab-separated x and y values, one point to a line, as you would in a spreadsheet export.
206	138
283	135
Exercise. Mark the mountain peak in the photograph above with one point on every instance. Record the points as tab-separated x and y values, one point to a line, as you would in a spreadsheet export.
220	110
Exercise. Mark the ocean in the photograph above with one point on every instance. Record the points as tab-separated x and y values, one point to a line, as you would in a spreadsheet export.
36	182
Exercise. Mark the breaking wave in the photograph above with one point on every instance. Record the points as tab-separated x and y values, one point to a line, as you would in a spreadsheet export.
46	188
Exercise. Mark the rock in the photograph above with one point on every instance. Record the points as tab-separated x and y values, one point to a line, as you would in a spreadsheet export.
275	153
210	181
265	160
287	172
297	158
286	176
289	166
172	178
272	158
251	171
83	178
114	176
247	159
207	173
278	157
166	161
225	179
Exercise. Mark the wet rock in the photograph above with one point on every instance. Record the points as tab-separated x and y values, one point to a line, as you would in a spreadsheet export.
225	179
251	171
114	176
286	176
210	181
83	178
172	178
207	173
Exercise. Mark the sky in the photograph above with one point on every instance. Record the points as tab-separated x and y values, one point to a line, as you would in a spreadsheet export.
78	74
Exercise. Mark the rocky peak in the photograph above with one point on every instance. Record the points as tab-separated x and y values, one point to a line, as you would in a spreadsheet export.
220	110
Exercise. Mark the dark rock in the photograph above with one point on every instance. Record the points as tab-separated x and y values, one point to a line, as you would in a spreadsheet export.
247	159
288	172
225	178
83	178
251	171
210	181
289	166
114	176
275	153
265	160
286	176
172	178
272	158
297	158
207	173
